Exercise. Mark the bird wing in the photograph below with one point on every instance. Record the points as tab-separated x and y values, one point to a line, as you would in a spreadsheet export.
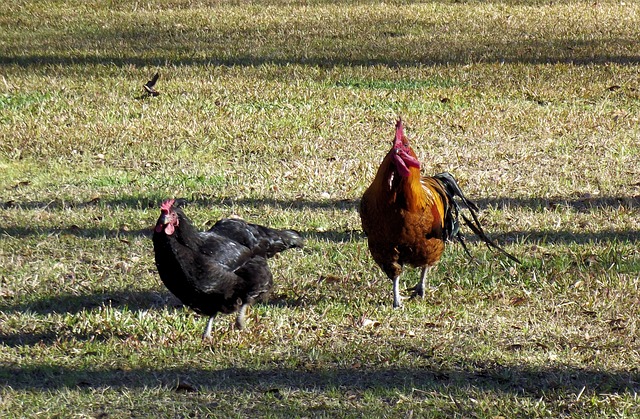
223	250
151	83
248	279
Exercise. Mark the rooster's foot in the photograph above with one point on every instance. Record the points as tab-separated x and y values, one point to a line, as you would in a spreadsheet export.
397	299
418	291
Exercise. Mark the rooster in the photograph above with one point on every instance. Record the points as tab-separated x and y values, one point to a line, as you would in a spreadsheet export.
408	218
223	269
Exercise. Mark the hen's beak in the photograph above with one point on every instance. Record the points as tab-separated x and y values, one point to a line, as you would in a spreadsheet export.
162	221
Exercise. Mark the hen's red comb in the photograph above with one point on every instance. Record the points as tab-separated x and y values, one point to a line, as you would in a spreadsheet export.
166	205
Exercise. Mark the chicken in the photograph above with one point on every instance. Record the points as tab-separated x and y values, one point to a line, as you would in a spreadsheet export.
408	218
223	269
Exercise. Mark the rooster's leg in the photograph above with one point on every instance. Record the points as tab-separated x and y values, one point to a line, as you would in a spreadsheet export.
419	289
397	300
240	323
207	330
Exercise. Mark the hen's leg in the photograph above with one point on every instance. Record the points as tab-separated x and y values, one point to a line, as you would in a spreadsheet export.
397	300
207	330
240	323
419	289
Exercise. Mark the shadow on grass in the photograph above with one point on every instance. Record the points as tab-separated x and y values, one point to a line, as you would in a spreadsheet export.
131	300
251	61
514	379
581	205
578	204
280	51
67	303
346	236
141	203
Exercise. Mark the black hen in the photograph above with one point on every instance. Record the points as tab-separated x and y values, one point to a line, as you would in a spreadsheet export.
223	269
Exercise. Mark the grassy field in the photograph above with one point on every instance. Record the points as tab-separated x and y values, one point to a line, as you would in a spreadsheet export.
280	112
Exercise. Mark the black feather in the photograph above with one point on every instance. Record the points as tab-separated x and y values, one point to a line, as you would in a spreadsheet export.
149	86
452	224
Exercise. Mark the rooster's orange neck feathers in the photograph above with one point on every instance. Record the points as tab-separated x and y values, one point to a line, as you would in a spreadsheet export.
398	181
388	185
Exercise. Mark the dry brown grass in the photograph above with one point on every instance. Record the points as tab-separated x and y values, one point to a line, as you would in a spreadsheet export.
280	113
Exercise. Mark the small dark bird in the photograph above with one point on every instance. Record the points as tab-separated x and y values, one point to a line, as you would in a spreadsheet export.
149	86
408	217
223	269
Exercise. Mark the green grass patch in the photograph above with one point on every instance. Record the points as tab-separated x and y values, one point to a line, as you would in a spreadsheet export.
17	102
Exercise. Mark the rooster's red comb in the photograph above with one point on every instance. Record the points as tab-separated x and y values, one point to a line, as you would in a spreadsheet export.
399	131
166	205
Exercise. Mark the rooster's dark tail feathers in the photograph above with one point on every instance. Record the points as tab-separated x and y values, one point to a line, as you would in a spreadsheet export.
452	225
